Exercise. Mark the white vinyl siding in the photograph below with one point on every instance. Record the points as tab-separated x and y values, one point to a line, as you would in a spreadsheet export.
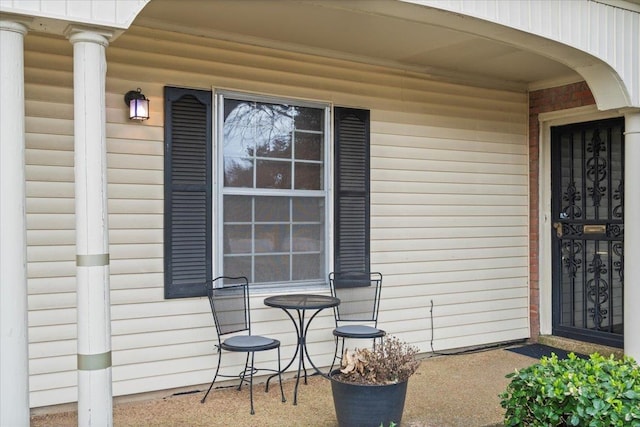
449	226
449	207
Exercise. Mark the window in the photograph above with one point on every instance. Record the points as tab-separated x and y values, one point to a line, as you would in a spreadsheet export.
272	181
268	203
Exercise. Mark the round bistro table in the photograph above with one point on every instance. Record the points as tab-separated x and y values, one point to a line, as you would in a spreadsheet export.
300	303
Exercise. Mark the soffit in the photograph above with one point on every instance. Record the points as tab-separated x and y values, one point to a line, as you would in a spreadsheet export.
364	31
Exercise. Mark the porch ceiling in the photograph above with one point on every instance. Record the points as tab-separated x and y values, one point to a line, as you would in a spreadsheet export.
383	32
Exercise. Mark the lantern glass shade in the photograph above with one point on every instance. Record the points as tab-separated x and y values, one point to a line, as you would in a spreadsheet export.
138	105
139	109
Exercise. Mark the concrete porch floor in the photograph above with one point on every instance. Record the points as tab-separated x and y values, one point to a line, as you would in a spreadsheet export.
447	391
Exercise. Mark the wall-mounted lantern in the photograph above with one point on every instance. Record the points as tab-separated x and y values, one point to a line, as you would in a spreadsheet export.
138	105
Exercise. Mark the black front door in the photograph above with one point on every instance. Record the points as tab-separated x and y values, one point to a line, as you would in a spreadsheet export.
588	231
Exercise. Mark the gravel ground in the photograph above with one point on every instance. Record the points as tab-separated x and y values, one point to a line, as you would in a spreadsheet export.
447	391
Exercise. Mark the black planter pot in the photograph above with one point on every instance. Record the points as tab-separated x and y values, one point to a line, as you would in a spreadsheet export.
362	405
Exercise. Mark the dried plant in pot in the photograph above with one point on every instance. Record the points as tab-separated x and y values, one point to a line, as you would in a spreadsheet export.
371	387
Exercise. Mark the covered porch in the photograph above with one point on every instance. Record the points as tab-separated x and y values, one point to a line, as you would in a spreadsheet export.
461	223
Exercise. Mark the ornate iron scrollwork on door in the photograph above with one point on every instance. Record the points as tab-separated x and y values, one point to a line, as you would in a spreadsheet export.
572	257
598	290
597	168
618	196
618	265
572	197
588	229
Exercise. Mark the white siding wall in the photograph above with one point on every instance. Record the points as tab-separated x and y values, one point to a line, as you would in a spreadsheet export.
449	207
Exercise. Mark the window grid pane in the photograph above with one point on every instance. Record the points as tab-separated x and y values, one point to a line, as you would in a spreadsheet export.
282	239
262	140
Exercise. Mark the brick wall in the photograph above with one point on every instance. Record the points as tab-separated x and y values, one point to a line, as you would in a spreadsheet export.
543	101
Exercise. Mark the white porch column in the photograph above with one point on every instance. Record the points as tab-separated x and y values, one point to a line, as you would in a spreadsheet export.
95	406
14	356
632	235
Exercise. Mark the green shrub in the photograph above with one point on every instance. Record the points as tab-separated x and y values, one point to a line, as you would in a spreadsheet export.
574	392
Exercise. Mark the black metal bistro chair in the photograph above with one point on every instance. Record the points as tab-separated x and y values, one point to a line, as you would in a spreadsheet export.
229	299
357	315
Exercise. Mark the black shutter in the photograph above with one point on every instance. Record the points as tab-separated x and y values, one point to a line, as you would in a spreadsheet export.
351	220
187	192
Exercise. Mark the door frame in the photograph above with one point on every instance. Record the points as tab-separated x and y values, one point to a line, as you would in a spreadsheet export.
545	252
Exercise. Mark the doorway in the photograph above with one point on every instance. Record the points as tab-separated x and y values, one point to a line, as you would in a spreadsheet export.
587	207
